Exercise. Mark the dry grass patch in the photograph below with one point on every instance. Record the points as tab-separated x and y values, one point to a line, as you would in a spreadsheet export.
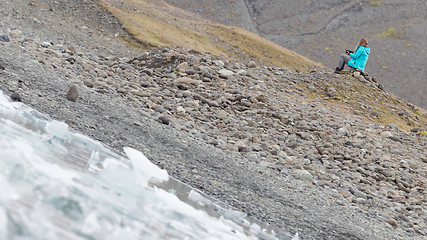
155	23
148	24
246	43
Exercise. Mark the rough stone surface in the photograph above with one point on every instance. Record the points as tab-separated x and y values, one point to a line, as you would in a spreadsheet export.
73	93
16	97
282	146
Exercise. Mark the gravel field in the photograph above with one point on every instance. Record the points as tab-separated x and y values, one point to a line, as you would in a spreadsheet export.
244	134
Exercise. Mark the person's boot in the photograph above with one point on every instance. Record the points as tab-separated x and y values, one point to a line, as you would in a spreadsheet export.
337	70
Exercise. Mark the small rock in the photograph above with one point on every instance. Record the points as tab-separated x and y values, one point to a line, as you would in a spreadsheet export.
142	93
145	84
206	74
122	90
395	138
302	174
399	198
187	93
205	79
4	38
148	71
251	64
182	67
392	222
362	78
332	89
46	44
71	60
386	173
356	74
164	119
125	66
257	149
102	74
16	97
392	126
242	72
242	149
180	109
416	130
357	193
181	86
267	122
213	142
73	93
171	75
190	71
213	104
1	67
219	63
194	51
260	97
305	135
320	150
224	73
88	83
186	80
160	110
375	115
343	131
15	33
221	115
87	66
145	55
345	193
386	134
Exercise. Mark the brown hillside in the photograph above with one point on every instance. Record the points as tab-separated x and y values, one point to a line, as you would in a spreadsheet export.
155	23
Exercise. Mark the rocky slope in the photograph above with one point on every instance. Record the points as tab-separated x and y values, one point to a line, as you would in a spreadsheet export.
321	30
328	156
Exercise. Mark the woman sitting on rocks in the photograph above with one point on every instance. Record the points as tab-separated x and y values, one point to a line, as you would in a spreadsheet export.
357	59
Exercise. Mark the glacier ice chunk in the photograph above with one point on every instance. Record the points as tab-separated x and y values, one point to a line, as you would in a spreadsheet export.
57	129
198	198
3	224
144	169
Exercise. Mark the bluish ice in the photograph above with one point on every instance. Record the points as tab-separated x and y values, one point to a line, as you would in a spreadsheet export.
59	184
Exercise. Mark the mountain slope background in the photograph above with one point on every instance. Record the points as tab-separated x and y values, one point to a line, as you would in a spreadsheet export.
321	30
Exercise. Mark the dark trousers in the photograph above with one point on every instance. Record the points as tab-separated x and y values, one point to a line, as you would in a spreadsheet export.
344	58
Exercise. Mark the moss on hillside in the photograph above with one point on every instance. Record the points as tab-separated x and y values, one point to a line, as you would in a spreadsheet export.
367	101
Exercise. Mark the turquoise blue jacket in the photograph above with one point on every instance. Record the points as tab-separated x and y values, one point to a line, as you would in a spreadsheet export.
359	58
